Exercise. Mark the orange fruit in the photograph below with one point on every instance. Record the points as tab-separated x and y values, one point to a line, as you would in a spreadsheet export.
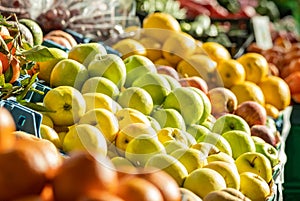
7	127
178	46
276	92
248	91
160	26
137	189
162	62
128	47
256	66
231	72
216	51
153	48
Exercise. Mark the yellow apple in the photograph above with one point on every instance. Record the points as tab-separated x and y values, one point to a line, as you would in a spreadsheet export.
50	134
127	133
136	98
119	161
66	104
206	148
128	115
203	181
228	171
254	187
104	120
192	159
169	133
169	118
100	100
226	194
172	145
170	165
84	137
197	130
221	156
100	85
143	147
256	163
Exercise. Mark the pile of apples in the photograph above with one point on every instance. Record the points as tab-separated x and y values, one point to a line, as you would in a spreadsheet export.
142	116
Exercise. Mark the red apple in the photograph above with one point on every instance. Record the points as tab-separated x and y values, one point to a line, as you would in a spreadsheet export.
222	100
194	81
168	70
253	112
265	133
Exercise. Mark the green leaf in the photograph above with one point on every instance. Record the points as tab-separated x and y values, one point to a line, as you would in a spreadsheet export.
3	47
38	53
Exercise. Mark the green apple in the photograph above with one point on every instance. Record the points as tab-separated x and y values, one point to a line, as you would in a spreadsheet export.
187	102
154	123
130	131
84	137
119	161
143	147
240	142
155	84
136	66
221	156
45	67
209	122
203	181
100	100
228	171
172	81
173	145
136	98
128	115
109	66
192	159
256	163
170	165
257	139
206	104
269	151
84	53
206	148
100	85
229	122
170	133
169	118
197	130
254	187
104	120
218	140
68	72
66	105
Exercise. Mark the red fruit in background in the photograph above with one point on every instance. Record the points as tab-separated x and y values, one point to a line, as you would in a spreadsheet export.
168	70
253	112
293	81
265	133
7	126
294	66
194	81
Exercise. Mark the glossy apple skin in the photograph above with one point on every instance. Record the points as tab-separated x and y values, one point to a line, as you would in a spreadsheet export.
223	101
253	112
194	81
265	133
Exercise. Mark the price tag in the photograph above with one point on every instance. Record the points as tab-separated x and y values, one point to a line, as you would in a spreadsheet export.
262	34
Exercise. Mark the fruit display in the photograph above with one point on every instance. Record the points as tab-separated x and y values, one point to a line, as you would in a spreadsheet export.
170	118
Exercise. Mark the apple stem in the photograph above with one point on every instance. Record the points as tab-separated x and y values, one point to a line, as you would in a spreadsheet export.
67	107
252	162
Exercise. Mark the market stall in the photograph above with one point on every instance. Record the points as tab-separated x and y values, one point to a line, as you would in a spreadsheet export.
171	100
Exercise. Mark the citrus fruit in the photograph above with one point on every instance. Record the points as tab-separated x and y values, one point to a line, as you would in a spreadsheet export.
231	72
35	29
255	65
162	61
128	47
178	46
153	48
45	67
50	134
276	92
248	91
7	126
160	25
272	111
215	51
